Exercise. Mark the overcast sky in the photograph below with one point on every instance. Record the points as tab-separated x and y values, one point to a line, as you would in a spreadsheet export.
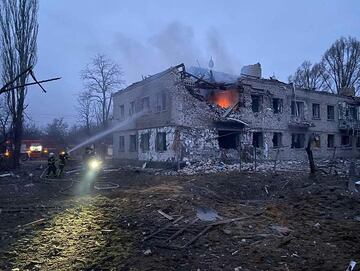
146	37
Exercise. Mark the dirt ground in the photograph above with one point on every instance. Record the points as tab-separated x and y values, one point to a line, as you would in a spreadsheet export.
284	221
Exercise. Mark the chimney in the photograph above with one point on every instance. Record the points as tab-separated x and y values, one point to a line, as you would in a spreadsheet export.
251	71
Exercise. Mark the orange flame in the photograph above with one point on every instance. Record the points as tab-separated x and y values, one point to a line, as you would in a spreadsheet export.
225	98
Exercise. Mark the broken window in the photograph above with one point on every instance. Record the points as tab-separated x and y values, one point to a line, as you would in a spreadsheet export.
277	140
121	143
353	112
330	112
317	141
255	103
228	139
133	143
132	108
163	101
122	112
277	105
297	141
258	140
331	141
345	141
160	143
160	101
145	104
316	111
297	108
145	142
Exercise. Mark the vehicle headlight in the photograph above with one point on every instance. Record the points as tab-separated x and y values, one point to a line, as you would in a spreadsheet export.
94	164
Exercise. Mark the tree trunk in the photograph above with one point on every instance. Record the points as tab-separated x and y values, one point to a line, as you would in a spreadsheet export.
310	155
17	133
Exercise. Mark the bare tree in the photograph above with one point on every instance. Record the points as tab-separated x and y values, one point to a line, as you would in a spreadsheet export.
85	109
5	119
309	76
18	34
102	77
57	130
342	64
32	131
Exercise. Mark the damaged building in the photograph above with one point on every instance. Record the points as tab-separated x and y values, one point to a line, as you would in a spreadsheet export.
179	116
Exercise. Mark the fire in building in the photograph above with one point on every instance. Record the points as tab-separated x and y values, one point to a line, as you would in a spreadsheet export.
188	116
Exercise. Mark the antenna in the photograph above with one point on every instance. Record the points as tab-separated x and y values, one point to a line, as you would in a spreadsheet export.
211	63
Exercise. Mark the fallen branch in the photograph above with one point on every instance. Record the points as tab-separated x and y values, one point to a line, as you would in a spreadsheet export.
39	221
165	215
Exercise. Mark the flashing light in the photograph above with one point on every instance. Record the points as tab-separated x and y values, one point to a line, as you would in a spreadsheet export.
94	164
7	153
46	151
36	148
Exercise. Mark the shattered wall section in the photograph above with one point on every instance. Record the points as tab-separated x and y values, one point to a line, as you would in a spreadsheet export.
199	144
189	111
183	144
152	154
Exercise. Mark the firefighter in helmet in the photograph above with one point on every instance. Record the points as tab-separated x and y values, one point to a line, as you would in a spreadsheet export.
51	165
63	157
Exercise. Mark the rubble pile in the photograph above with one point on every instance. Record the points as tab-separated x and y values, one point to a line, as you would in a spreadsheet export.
233	221
337	167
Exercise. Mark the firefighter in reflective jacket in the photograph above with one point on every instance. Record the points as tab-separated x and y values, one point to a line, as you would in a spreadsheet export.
51	165
63	156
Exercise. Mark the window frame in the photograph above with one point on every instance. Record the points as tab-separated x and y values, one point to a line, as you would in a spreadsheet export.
259	99
296	110
279	108
349	145
293	146
163	146
121	143
132	144
333	112
314	106
260	144
122	112
333	141
279	135
142	145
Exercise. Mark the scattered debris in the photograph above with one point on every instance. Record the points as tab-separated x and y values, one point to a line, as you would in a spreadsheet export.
206	214
105	185
351	266
36	222
215	166
147	252
280	229
169	217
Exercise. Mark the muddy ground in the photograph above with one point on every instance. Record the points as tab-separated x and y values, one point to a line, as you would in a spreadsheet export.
286	221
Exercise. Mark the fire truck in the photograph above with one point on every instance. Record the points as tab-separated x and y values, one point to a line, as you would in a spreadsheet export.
36	149
31	149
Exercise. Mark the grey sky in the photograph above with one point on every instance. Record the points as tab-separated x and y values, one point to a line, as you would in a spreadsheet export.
145	37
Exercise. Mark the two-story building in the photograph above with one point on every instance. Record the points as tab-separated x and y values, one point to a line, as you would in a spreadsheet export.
178	116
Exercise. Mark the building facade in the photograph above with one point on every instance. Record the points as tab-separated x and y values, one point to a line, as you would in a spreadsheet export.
176	116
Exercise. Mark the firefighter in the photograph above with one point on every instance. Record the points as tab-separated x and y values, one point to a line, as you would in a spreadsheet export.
63	157
51	165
